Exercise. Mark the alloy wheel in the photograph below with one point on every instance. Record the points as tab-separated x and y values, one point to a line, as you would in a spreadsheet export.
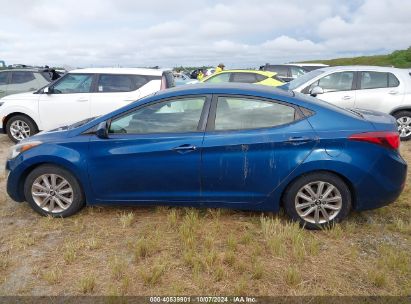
404	126
318	202
52	193
19	130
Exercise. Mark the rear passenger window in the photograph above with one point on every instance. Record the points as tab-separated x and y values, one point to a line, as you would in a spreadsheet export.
244	77
236	113
121	83
375	80
3	78
21	77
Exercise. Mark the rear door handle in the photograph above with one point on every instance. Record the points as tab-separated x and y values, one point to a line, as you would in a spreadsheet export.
130	99
82	99
346	97
185	148
393	92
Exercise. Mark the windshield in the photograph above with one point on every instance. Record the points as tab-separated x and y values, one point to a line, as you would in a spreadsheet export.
303	79
80	123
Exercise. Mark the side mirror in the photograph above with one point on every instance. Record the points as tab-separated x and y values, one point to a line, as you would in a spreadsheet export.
102	130
316	90
47	90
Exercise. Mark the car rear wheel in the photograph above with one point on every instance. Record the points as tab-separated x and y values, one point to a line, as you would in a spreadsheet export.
53	191
404	124
20	127
317	200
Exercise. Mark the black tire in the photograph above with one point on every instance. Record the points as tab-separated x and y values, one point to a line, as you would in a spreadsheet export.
290	196
78	200
403	114
22	118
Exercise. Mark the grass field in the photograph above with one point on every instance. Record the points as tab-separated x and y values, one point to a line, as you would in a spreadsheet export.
181	251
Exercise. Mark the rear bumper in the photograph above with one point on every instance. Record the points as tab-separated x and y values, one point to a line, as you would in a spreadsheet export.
382	184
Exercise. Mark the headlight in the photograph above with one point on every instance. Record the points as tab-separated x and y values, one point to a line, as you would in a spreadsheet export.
17	149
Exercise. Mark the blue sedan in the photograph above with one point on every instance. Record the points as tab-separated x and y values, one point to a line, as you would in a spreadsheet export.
234	146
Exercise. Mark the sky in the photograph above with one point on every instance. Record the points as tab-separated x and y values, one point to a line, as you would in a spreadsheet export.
238	33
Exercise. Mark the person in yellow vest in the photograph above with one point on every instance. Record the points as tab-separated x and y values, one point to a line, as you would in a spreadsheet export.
219	68
200	75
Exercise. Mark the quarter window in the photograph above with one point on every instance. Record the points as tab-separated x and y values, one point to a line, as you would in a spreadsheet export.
21	77
341	81
297	72
73	83
392	80
3	78
224	77
172	116
245	113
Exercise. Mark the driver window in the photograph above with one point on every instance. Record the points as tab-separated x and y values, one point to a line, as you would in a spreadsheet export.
73	83
341	81
171	116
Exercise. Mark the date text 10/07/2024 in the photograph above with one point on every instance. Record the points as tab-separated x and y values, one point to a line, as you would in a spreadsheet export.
203	299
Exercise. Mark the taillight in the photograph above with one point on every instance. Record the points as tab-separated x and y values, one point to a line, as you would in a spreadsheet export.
387	139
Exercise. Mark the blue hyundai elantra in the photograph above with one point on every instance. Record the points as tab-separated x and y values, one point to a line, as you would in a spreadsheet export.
234	146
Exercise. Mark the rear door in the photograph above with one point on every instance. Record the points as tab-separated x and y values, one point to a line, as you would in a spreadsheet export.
339	88
380	91
4	80
112	91
250	146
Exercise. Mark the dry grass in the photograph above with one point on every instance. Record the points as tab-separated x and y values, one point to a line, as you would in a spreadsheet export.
180	251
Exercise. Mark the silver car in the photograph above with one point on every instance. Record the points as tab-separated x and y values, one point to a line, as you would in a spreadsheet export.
22	80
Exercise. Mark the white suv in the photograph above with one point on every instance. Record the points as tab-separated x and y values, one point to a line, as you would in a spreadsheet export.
382	89
78	95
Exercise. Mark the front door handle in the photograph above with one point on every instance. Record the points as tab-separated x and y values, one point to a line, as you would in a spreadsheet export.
346	97
185	148
82	99
298	140
393	92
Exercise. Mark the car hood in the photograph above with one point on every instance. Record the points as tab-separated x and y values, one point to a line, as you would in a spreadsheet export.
20	96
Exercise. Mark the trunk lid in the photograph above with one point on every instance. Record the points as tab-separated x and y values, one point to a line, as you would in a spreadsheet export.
380	121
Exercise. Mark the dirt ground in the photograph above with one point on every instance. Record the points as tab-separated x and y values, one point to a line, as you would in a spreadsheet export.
184	251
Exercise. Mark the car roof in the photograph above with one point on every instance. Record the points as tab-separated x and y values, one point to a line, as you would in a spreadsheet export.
22	70
224	88
250	71
359	68
137	71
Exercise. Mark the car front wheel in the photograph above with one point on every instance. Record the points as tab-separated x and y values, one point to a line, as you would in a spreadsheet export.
404	124
20	127
51	190
317	200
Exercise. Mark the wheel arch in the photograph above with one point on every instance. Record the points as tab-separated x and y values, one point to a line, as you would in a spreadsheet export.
29	169
10	115
341	176
396	110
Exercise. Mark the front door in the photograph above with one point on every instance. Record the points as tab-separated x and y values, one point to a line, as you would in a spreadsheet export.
250	147
67	102
338	89
152	153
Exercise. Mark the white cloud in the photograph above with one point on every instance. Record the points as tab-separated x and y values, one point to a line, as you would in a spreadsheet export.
239	33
